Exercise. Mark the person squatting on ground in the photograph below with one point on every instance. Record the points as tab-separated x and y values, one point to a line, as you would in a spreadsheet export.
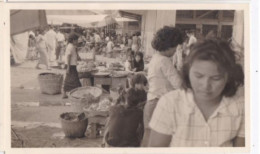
124	127
71	79
207	112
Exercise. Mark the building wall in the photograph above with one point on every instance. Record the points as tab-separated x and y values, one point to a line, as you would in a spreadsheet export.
151	22
238	28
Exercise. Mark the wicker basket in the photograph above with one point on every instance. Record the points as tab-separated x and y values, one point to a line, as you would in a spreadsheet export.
50	83
79	103
76	128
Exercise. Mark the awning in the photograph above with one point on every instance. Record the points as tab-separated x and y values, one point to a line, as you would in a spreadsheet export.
25	20
87	21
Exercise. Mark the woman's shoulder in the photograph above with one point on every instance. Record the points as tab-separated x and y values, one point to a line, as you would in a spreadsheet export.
236	102
175	96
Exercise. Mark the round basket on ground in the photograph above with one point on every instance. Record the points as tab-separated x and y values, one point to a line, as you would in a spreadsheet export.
84	96
74	124
50	83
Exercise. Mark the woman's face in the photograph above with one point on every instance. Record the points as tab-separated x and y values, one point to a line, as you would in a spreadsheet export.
137	58
206	80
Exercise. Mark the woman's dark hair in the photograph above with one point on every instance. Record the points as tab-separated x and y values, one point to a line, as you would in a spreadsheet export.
220	53
138	78
31	36
167	37
73	37
132	97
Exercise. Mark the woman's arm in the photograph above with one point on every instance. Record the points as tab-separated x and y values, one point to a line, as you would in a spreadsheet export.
159	140
239	142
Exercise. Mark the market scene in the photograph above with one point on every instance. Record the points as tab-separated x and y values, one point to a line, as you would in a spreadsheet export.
127	78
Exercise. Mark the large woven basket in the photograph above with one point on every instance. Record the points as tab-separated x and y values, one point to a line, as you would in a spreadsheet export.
50	83
78	103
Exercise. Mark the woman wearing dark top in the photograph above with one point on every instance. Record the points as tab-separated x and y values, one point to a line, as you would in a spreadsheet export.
138	62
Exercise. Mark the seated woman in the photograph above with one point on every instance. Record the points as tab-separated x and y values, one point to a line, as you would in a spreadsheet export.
208	111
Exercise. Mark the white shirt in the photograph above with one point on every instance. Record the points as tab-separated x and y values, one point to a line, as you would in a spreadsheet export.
97	38
41	42
71	50
51	37
128	66
60	37
110	46
162	76
177	114
192	40
177	58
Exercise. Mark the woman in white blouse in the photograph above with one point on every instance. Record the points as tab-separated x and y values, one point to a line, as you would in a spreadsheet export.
208	112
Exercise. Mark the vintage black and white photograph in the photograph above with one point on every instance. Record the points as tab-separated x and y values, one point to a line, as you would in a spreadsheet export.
127	78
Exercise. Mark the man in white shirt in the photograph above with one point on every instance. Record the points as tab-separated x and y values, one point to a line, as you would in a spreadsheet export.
97	37
51	40
60	43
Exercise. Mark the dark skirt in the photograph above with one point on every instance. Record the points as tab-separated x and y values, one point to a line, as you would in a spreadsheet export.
71	80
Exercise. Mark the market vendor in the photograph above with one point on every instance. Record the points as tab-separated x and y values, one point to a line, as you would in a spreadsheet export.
71	57
162	75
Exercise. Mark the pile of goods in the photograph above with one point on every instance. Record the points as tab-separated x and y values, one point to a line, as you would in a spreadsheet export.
84	96
86	67
118	74
89	93
115	66
103	105
73	116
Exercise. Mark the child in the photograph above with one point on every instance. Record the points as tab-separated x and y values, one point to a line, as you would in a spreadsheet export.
124	127
139	83
162	75
129	60
138	62
72	79
31	54
208	112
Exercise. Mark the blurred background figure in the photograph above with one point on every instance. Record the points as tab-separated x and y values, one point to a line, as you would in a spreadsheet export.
60	44
42	48
51	40
32	52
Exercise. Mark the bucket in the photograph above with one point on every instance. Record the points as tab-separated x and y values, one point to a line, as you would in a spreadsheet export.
74	124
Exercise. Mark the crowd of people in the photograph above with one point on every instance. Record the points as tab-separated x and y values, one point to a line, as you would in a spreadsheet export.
188	97
49	44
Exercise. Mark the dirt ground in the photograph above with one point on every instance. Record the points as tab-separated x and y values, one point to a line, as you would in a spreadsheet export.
35	116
